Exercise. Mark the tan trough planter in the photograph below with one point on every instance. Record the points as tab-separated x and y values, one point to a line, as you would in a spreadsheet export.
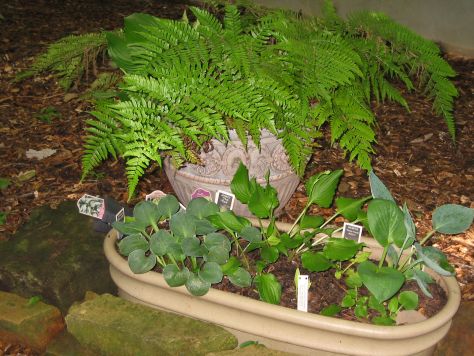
220	164
283	328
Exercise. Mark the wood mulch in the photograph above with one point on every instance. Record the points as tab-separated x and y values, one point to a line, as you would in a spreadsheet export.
415	155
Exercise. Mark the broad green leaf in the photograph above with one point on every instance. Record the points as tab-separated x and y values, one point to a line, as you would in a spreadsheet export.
408	299
192	247
160	241
393	305
217	254
311	222
231	265
269	253
322	190
383	320
361	311
434	259
273	240
263	201
211	272
378	189
452	219
341	249
291	242
315	261
146	212
196	285
349	207
353	279
226	220
201	208
269	288
217	239
347	301
240	277
174	276
240	184
204	227
386	222
362	217
382	282
139	262
251	234
410	227
168	206
131	243
129	228
331	310
183	225
422	279
376	305
175	250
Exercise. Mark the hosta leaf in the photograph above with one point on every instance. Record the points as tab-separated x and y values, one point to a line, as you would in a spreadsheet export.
311	222
201	208
168	206
269	288
378	189
139	262
408	299
422	279
341	249
263	201
204	227
251	234
315	261
217	254
452	218
410	227
227	220
386	222
291	242
240	277
349	207
434	259
129	228
131	243
146	212
160	241
269	253
183	225
196	285
321	190
174	276
240	184
211	272
192	247
231	265
217	239
382	282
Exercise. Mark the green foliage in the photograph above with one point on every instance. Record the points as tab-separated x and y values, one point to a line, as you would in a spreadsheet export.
47	114
70	58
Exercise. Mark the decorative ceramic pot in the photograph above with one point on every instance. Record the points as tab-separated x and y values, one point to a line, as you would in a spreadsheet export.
220	164
287	329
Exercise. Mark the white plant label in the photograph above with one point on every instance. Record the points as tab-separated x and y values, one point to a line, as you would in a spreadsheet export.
352	232
225	200
303	285
120	216
91	206
155	196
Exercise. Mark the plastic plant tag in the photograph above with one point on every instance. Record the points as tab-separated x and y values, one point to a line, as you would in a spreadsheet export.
91	206
303	281
201	193
224	200
155	196
352	232
120	217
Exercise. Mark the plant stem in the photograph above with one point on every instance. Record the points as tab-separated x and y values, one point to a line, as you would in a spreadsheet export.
298	219
427	237
384	254
330	219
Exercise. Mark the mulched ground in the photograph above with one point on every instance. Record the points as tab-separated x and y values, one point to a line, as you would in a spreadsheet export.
415	156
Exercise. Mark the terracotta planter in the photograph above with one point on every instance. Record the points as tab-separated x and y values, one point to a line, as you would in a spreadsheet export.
283	328
221	163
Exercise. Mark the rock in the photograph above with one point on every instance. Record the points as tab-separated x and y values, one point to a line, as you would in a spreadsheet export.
114	326
460	339
32	324
66	344
56	255
251	350
41	154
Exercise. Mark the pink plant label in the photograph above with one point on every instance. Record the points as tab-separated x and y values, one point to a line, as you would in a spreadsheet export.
91	206
201	193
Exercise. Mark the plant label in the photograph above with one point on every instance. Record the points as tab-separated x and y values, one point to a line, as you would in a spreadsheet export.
91	206
120	217
303	286
352	232
155	196
225	200
201	193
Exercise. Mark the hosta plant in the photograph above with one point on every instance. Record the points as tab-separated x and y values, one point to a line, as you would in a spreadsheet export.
201	245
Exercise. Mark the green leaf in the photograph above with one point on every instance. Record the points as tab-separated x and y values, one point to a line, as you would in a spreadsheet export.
376	305
452	218
131	243
175	250
378	189
217	239
145	212
311	222
240	277
119	52
435	259
321	190
227	220
3	217
263	201
269	288
4	183
393	305
139	262
291	242
196	285
341	249
349	207
387	222
217	254
240	184
353	279
410	227
34	300
130	227
183	225
231	265
160	241
315	261
361	311
251	234
204	227
408	299
347	301
382	282
331	310
168	206
192	247
211	272
422	279
383	320
362	217
174	276
269	253
202	208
